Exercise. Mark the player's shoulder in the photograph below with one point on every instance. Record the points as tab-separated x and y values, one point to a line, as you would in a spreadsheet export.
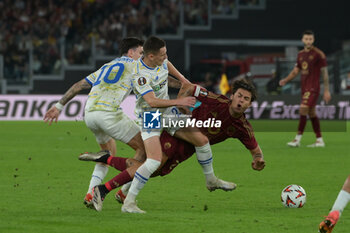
123	59
319	51
301	52
165	64
218	98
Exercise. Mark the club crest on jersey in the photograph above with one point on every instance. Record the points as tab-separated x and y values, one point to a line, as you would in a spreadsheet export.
304	65
141	81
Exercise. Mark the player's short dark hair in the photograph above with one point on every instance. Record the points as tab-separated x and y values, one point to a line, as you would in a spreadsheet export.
308	32
153	44
246	85
130	43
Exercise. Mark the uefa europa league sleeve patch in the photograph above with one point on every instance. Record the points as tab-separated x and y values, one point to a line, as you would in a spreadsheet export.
141	81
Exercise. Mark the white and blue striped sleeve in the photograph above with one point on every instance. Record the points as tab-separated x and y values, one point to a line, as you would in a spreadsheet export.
91	78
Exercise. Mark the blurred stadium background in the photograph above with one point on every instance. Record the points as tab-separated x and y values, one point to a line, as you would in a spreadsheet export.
46	46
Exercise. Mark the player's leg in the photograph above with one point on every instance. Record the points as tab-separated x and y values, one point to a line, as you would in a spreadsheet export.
204	157
101	191
303	111
316	127
127	166
340	203
143	173
122	128
137	144
123	192
92	121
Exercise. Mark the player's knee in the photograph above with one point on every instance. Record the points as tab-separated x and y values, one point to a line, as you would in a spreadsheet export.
201	140
312	115
304	111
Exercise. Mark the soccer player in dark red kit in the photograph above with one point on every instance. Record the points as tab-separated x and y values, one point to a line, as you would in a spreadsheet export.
234	125
311	62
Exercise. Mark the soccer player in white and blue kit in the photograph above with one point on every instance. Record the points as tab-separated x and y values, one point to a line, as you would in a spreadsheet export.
109	87
151	88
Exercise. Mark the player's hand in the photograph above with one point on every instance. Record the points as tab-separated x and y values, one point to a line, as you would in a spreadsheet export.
51	115
187	101
283	82
326	96
258	164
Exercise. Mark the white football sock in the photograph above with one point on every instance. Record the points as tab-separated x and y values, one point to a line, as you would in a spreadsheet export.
320	139
298	137
205	159
98	175
341	201
141	177
125	188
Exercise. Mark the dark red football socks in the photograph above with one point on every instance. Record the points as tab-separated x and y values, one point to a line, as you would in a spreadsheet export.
119	180
316	126
302	124
117	162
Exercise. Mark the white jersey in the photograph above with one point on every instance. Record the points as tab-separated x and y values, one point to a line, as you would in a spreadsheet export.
111	84
148	79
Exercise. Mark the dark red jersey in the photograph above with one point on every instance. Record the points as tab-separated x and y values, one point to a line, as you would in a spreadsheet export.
310	64
212	106
217	107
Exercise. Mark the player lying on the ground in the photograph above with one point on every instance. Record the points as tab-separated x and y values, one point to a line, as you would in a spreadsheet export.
234	124
340	203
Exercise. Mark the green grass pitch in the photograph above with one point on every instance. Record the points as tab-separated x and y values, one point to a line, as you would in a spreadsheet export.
43	184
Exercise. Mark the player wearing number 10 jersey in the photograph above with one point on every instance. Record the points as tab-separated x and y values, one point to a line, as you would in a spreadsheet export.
103	115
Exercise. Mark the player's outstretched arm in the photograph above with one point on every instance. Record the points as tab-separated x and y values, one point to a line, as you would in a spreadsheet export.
187	89
290	76
174	72
155	102
174	83
53	113
326	94
258	162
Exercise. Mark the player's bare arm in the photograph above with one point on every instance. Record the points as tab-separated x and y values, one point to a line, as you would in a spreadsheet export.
290	76
258	162
174	72
155	102
74	90
53	113
326	94
186	90
174	83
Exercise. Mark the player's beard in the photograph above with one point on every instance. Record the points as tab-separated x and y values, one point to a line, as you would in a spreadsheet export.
308	46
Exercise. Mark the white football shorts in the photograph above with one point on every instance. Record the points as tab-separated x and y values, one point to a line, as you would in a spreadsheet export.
107	125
